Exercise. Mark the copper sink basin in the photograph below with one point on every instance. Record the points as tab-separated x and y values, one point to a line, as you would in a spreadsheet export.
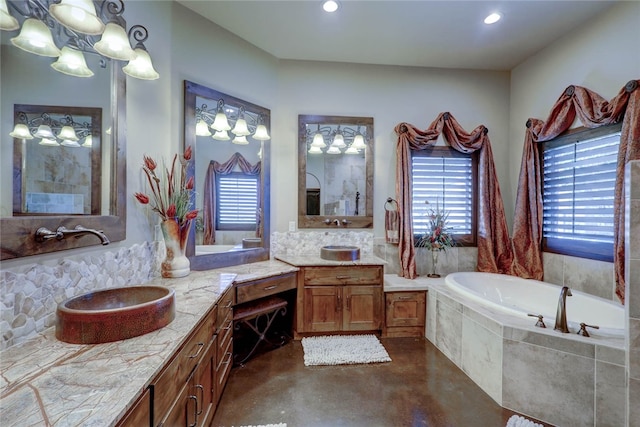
114	314
340	253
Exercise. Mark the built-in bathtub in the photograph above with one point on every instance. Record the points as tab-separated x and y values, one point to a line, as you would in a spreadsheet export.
521	297
562	378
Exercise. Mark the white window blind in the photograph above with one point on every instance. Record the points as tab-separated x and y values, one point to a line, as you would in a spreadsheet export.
447	181
578	189
237	201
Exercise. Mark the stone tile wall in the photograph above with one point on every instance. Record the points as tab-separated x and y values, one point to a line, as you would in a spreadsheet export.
30	294
310	242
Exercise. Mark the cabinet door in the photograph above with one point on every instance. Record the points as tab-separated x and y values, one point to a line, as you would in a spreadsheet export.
140	414
406	309
322	308
363	308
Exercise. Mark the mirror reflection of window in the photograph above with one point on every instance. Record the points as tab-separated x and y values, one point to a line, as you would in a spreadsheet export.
237	198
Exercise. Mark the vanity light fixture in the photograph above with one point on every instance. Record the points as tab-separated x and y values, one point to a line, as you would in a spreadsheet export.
7	22
261	133
35	37
351	150
315	150
333	150
49	142
338	140
21	131
45	132
240	140
202	128
78	15
318	140
220	123
42	33
492	18
69	143
67	133
221	135
72	63
241	129
330	6
358	141
88	141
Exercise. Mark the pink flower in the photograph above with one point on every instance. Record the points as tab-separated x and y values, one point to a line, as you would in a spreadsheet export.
171	211
187	153
149	163
142	198
191	215
189	184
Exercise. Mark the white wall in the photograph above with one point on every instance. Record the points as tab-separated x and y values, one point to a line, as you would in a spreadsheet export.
390	95
601	56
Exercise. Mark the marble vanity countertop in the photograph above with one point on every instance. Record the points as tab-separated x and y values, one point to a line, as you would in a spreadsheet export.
316	261
44	381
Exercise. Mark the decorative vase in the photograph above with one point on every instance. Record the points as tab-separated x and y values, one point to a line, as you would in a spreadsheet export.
175	263
434	264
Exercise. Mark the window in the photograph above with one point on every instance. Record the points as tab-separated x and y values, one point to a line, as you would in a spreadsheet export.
445	176
579	175
237	201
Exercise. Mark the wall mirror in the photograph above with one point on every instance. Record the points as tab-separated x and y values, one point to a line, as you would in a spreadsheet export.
29	80
335	178
230	142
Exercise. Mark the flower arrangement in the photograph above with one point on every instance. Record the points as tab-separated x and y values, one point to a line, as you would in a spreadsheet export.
438	237
170	196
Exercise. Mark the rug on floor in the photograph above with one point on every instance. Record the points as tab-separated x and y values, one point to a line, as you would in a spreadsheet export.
518	421
343	350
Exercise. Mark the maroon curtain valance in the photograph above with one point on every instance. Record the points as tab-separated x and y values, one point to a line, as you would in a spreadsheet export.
209	203
593	111
494	247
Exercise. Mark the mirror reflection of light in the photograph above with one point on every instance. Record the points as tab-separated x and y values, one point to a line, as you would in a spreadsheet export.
261	133
315	150
333	150
49	142
338	141
202	129
70	143
221	135
88	141
240	140
358	142
351	150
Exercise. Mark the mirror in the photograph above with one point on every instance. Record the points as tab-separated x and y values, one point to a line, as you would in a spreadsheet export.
58	160
28	79
335	178
231	173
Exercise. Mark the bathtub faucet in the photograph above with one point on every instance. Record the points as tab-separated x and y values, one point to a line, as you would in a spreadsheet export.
561	312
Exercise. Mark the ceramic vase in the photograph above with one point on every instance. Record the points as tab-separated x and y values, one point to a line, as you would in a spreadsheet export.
175	264
434	264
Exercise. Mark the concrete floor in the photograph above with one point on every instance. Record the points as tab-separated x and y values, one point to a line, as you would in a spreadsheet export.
420	387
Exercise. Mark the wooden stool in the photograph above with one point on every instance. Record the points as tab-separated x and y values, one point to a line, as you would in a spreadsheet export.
251	312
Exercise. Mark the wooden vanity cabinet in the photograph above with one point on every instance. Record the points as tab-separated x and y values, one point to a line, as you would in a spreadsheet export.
139	414
405	314
339	299
187	390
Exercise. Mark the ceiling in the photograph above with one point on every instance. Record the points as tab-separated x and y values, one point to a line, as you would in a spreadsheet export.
442	34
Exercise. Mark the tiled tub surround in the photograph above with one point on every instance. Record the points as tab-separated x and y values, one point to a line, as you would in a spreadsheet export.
632	292
562	379
48	382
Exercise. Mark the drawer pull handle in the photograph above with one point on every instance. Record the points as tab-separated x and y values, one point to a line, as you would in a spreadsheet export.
228	358
404	298
229	304
268	288
343	277
200	347
195	411
199	387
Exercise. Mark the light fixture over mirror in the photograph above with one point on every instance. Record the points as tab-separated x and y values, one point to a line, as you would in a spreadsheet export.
335	180
230	142
72	28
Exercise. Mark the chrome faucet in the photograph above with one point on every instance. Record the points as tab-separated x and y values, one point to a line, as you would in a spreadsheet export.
561	312
336	222
43	234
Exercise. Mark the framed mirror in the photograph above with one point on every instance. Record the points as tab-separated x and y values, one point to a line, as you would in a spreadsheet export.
230	142
28	79
335	178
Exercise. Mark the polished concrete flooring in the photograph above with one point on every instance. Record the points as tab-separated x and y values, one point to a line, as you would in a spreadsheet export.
420	387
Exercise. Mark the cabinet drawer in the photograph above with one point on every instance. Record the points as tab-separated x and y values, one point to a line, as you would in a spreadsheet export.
347	275
224	307
225	337
176	373
261	288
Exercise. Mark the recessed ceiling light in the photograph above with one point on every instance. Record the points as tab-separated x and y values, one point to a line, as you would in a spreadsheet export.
330	6
492	19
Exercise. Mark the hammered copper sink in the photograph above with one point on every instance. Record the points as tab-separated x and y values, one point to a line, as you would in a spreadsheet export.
340	253
114	314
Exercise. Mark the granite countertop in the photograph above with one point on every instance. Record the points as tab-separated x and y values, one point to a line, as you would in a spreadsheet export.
315	261
44	381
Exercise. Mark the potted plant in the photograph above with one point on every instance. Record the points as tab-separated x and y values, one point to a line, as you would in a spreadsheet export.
438	236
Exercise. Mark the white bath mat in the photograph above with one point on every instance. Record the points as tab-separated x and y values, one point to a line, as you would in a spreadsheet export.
518	421
343	350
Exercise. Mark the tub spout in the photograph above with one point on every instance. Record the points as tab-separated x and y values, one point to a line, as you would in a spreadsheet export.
561	312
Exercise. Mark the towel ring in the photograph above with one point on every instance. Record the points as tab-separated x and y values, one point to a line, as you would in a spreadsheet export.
390	202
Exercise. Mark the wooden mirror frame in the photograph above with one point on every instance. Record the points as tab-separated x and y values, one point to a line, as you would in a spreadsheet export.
17	234
318	221
225	259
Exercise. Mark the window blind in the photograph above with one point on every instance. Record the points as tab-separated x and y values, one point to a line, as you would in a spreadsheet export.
237	201
443	181
578	189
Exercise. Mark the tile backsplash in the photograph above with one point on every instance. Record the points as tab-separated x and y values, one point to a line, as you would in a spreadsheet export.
30	294
310	242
